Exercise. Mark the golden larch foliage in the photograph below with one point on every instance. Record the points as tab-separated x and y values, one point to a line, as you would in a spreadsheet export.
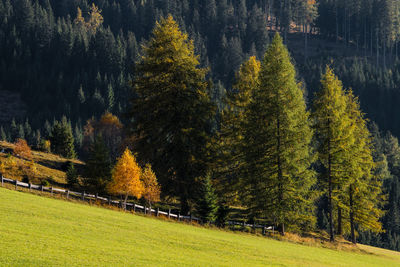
126	177
152	189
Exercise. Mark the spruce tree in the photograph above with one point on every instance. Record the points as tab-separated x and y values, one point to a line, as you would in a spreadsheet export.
277	141
98	167
172	110
72	175
334	134
62	139
207	205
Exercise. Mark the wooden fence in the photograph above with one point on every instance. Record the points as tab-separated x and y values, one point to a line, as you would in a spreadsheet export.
119	203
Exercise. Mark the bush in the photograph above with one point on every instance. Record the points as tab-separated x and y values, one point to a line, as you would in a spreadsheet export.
45	183
22	149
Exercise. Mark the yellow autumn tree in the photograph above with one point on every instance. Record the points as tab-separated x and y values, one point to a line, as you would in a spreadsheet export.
95	19
152	189
126	177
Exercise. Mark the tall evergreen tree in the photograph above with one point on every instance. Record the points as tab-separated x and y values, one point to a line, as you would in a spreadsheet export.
62	139
277	138
172	110
207	205
98	167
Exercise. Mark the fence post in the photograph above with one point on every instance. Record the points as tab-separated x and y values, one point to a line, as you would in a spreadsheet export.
51	190
97	196
263	230
190	217
16	184
30	187
179	216
109	200
144	206
169	213
158	212
2	180
41	187
67	194
83	195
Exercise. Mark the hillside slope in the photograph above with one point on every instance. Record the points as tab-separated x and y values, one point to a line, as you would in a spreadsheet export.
40	231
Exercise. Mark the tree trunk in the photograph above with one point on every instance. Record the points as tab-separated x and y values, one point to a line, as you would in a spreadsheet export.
353	236
331	233
337	23
305	44
340	228
280	174
377	48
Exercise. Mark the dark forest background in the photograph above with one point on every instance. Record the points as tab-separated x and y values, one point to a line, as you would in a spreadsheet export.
59	68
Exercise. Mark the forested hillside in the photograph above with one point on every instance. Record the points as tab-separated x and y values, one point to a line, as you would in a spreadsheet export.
75	63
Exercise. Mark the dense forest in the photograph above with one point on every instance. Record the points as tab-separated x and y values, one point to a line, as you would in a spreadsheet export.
75	62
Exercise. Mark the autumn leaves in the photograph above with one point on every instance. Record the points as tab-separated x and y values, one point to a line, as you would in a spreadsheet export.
129	179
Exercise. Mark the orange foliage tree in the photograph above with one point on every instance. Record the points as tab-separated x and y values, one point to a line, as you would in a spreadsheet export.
22	149
126	177
109	128
152	189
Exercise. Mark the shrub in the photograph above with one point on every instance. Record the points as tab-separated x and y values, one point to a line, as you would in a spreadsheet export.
22	149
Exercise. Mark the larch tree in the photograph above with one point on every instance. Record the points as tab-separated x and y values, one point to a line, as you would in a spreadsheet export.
171	111
152	190
334	135
126	177
231	154
277	140
365	188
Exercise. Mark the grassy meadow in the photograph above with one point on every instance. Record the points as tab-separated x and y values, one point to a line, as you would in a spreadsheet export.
41	231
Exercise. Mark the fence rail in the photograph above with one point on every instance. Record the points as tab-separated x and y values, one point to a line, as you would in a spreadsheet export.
129	206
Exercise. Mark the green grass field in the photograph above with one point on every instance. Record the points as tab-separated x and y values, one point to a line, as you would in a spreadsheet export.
39	231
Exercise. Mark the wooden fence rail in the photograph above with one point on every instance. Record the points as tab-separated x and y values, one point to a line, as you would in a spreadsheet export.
129	206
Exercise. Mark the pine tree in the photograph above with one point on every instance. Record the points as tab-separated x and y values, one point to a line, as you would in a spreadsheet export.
277	139
172	110
207	205
334	134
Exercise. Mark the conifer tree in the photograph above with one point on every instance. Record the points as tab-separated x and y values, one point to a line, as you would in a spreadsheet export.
72	175
126	177
365	188
334	134
207	205
3	136
277	138
172	110
233	123
62	139
151	191
98	166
